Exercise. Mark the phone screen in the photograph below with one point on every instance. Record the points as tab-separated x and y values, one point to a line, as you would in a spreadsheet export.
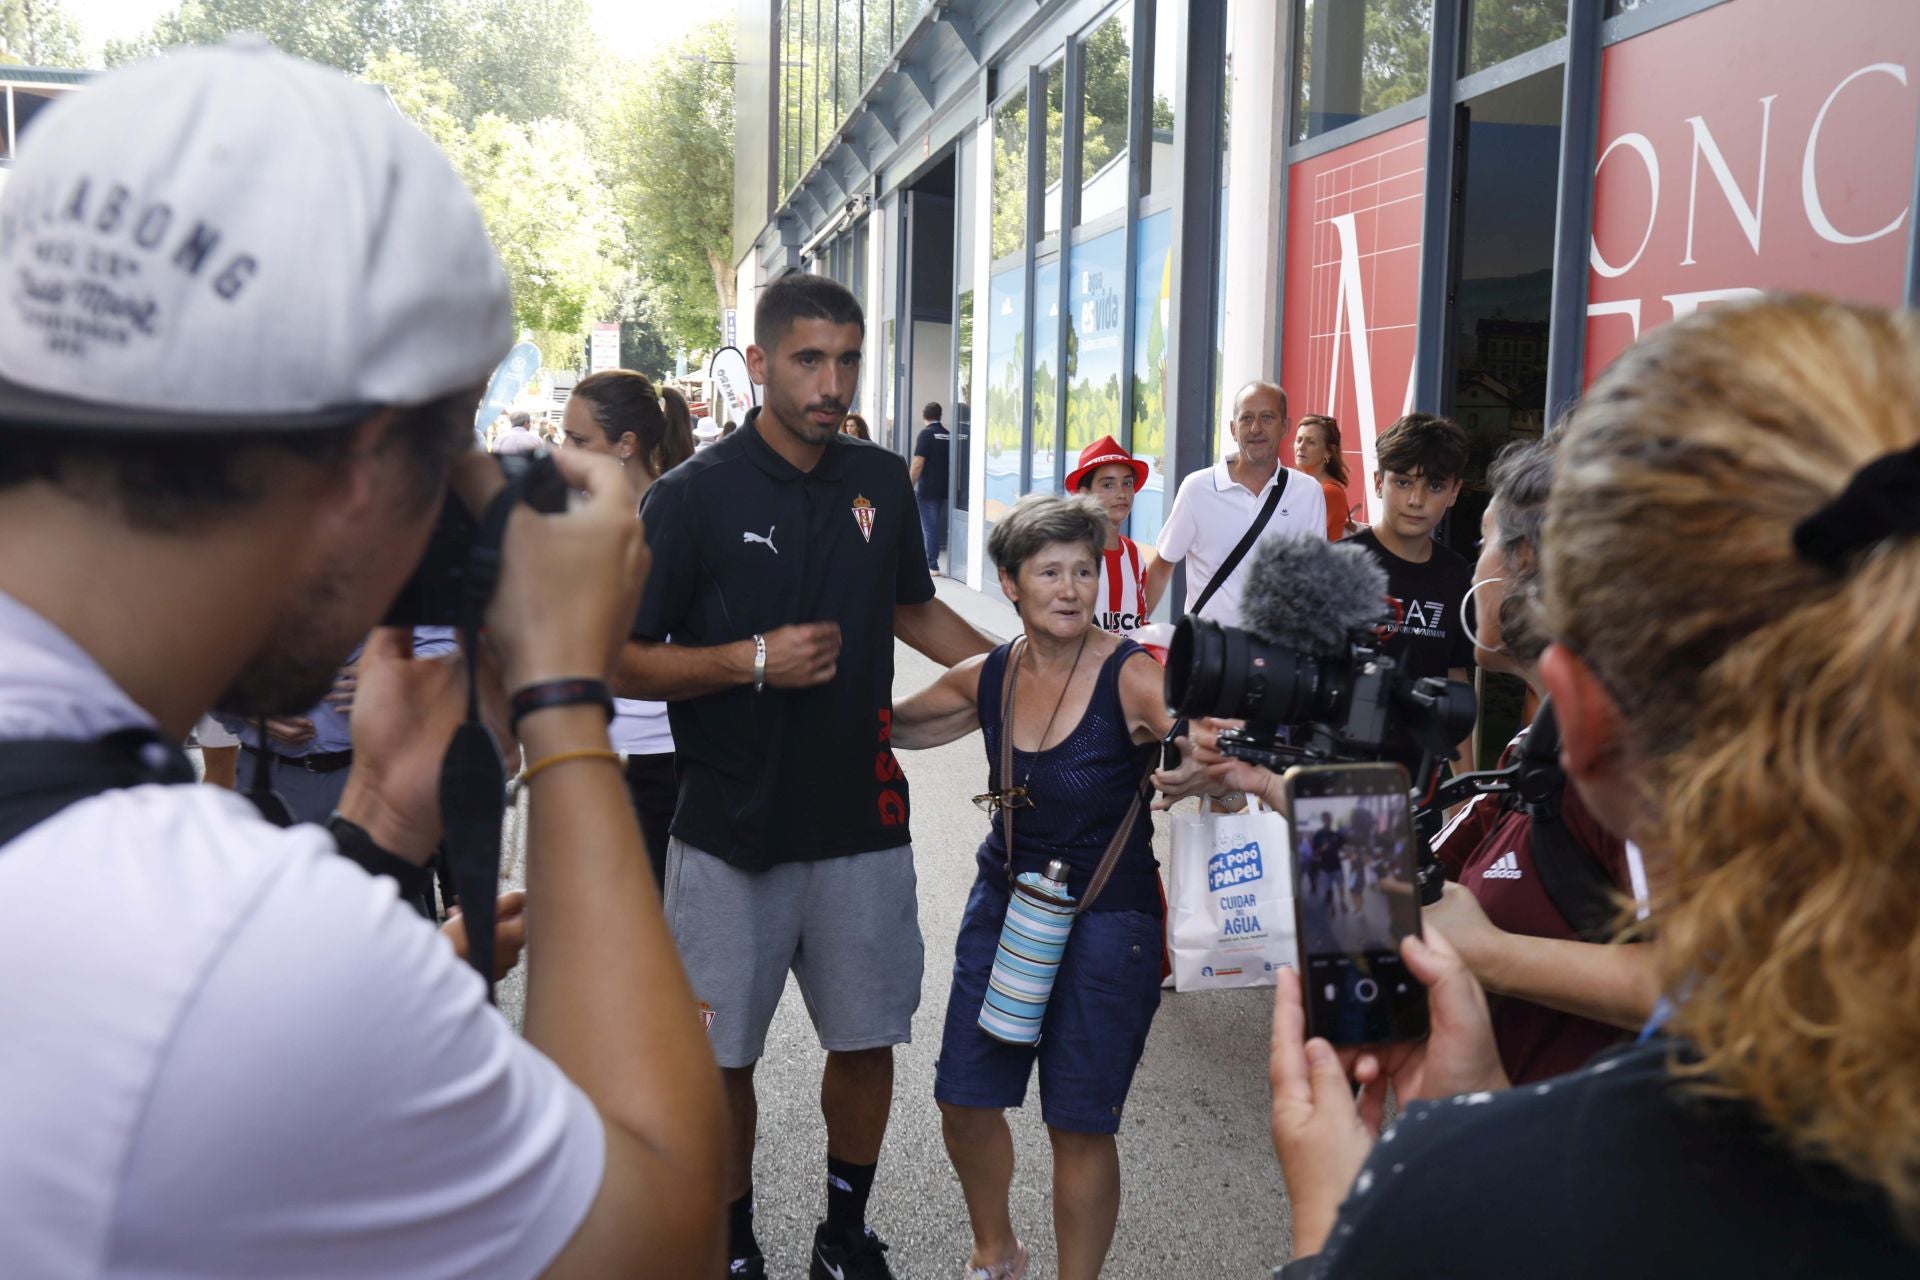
1354	900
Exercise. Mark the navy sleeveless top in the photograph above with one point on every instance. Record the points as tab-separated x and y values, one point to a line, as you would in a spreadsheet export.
1081	788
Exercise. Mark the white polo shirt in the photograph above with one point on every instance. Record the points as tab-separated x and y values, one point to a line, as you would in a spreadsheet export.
1211	514
226	1051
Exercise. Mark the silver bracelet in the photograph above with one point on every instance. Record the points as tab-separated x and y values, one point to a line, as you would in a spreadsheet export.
759	663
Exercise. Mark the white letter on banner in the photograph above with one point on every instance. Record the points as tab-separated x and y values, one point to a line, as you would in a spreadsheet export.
1636	142
1748	215
1810	187
1685	304
1350	310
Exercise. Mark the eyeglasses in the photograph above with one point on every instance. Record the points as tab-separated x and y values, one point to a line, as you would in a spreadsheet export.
995	801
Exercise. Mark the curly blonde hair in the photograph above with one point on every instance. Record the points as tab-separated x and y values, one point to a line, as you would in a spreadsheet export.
1772	706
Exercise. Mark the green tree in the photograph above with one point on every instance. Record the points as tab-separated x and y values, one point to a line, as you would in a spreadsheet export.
38	33
545	207
668	149
523	59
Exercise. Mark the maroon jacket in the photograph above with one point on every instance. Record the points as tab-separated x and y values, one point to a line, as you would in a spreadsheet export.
1489	850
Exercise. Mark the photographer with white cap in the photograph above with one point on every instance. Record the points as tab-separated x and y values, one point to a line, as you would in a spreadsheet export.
245	314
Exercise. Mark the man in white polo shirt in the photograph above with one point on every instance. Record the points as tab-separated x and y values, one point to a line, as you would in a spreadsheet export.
1215	508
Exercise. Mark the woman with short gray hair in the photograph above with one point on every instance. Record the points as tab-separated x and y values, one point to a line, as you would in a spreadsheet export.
1086	713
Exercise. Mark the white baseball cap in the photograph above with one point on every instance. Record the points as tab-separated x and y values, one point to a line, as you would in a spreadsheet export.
232	239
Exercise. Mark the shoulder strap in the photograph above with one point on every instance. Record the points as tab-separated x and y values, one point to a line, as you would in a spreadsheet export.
1121	834
1573	879
40	779
1005	780
1252	535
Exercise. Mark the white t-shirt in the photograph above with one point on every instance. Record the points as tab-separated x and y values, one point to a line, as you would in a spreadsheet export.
640	728
228	1051
1211	514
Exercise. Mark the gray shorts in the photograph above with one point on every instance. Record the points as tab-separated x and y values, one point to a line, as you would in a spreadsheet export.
848	928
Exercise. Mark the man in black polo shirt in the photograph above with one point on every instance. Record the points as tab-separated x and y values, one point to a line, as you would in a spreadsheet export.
928	471
787	557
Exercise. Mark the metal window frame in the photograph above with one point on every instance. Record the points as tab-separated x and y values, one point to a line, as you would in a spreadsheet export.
1139	151
1191	363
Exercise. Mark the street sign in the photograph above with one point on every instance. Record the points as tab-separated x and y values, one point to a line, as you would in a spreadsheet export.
605	350
733	391
509	379
730	328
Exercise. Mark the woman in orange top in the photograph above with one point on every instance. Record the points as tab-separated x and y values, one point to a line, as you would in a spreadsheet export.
1316	451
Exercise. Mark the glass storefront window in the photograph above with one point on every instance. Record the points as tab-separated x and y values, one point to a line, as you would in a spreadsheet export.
1357	58
1107	62
877	44
1056	92
1094	357
1157	176
1502	29
1010	176
1152	320
1006	388
1046	382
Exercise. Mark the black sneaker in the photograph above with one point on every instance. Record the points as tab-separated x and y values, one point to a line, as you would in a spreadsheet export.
862	1260
754	1268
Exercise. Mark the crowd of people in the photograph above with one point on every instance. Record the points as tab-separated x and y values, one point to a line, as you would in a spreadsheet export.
232	1051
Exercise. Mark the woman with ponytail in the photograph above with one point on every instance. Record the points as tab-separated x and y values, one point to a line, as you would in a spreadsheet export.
1730	578
617	412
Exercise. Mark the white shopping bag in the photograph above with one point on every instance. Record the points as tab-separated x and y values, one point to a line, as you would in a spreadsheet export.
1230	895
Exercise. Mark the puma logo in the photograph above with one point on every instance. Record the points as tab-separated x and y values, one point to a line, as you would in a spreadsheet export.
748	536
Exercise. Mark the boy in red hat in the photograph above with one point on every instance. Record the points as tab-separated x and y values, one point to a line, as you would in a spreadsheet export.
1111	476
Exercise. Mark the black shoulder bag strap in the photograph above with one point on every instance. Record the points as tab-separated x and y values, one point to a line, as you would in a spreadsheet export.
1572	877
40	779
1239	552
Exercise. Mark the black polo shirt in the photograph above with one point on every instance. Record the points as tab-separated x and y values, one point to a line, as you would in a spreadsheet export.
744	542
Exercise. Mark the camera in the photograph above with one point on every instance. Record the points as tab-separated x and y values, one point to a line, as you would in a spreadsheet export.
1354	705
452	584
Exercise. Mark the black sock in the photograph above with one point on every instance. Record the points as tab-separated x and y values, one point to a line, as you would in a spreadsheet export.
740	1241
847	1188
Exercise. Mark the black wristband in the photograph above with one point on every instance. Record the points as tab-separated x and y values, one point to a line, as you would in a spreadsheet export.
562	693
416	881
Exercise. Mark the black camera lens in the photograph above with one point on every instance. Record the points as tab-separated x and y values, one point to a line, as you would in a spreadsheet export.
1232	674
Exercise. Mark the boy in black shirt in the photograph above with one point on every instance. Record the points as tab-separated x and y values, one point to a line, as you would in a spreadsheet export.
1417	476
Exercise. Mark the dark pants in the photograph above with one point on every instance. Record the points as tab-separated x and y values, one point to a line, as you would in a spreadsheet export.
654	790
933	528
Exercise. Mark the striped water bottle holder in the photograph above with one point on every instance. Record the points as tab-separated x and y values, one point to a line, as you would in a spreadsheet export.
1040	911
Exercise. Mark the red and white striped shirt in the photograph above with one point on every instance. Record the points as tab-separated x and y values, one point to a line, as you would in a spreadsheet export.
1121	606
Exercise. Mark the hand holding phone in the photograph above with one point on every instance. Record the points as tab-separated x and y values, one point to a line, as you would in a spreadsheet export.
1354	900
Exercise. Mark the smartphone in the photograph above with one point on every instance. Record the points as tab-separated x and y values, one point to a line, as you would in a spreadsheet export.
1354	899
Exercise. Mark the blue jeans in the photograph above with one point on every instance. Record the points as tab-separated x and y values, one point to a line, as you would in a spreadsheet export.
933	528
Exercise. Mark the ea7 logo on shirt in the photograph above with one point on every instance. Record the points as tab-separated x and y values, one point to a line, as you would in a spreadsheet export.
748	535
1421	618
863	516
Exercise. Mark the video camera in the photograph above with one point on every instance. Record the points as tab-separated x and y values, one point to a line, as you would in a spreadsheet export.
1309	680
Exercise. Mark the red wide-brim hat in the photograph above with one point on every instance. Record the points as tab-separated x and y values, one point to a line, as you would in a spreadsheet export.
1098	454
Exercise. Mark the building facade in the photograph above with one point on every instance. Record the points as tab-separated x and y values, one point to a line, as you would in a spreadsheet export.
1075	218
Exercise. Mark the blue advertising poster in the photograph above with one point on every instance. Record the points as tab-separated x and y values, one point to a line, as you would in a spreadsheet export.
509	379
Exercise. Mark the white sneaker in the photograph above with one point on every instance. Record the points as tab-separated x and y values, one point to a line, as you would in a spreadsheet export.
1014	1268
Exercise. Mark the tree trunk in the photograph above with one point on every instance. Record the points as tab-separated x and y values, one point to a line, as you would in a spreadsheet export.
726	281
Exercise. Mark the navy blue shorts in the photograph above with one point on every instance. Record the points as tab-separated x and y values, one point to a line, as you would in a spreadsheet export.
1095	1029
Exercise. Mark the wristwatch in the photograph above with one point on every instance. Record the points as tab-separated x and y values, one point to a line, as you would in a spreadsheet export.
759	663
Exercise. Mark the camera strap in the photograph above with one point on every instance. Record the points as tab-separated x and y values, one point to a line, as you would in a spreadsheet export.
1252	535
473	786
1573	880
